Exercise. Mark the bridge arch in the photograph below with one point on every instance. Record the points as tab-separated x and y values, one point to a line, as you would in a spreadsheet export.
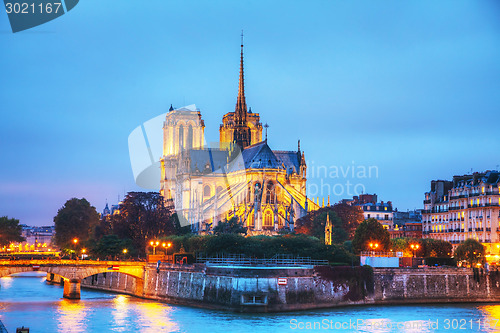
73	271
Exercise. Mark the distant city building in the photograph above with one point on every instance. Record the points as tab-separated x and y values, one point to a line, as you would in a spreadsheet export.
381	211
399	224
115	209
407	224
37	239
466	207
106	211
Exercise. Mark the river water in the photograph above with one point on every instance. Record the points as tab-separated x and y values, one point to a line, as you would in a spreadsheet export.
27	300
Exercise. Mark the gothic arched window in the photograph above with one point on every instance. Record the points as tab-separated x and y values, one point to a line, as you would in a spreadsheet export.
181	137
270	193
268	219
250	220
219	190
281	218
206	191
189	144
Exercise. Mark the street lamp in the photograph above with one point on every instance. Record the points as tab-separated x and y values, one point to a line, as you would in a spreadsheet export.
373	246
166	246
83	252
414	248
154	245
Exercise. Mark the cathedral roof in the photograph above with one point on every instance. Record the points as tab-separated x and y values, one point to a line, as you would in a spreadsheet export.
207	160
260	156
290	159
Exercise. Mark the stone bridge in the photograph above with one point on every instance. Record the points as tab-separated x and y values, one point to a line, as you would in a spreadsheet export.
73	271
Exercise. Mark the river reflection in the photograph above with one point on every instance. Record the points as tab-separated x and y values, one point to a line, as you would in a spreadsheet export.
71	316
29	301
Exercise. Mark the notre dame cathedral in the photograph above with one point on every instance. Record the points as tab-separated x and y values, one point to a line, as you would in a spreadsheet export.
243	177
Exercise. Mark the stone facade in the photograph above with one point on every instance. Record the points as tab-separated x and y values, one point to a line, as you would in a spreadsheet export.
467	207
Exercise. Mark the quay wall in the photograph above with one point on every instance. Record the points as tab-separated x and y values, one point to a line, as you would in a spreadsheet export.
287	289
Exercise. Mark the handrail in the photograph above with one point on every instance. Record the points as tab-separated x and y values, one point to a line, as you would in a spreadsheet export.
277	260
28	262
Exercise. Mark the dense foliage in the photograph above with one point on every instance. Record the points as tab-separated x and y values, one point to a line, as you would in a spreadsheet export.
76	219
427	247
470	251
143	217
10	231
371	231
262	246
344	219
231	226
111	246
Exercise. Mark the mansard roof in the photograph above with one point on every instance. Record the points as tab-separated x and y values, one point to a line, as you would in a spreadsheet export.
491	177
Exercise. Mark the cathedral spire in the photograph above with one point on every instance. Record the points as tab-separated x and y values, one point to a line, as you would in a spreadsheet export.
241	131
241	105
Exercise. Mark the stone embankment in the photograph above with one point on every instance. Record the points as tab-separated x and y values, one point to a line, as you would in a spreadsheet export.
270	289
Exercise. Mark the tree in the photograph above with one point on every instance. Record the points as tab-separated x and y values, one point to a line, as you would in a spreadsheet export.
371	231
436	248
313	224
231	226
351	217
76	219
470	251
112	245
10	231
143	217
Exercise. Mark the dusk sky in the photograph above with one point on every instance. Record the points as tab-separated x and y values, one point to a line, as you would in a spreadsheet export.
409	88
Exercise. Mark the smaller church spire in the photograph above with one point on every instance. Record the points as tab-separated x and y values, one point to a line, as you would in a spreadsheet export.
171	108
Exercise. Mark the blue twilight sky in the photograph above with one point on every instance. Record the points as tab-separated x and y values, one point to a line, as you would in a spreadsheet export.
409	88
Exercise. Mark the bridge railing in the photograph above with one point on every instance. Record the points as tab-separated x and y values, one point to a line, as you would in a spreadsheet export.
26	262
276	261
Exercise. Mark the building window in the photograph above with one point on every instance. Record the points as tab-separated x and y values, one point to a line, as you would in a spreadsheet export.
181	137
189	144
219	190
268	219
281	218
206	191
270	193
250	220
